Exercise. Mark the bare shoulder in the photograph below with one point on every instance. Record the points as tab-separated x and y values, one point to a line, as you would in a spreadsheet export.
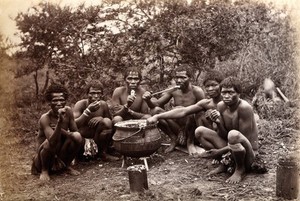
197	89
221	106
120	89
103	103
81	104
245	107
45	118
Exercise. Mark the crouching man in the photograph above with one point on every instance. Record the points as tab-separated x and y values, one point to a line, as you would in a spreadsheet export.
237	134
58	137
93	119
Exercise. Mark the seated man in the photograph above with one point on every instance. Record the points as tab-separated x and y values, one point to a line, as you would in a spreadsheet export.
127	102
179	130
93	119
58	139
237	131
201	109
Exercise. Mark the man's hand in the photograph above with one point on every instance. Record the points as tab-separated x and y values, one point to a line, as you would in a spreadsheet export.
212	153
94	121
94	106
147	95
214	116
152	120
130	100
62	113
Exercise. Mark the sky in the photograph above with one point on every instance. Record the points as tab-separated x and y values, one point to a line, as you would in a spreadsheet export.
10	8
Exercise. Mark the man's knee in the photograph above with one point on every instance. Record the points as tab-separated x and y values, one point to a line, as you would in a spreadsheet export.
199	131
117	119
77	138
46	147
238	147
156	110
107	123
234	137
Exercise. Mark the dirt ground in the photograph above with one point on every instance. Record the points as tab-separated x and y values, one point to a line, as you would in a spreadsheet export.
174	176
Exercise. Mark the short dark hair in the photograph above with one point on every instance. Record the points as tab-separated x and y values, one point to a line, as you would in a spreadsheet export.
232	82
56	88
213	75
133	69
184	67
95	84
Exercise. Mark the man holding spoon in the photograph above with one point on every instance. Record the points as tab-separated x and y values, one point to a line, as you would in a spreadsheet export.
180	131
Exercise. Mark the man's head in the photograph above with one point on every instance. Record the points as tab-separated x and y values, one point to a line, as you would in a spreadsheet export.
133	77
57	96
94	91
182	76
230	90
211	82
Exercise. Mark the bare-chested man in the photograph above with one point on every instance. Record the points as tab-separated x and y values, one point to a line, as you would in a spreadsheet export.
93	119
237	131
179	130
201	109
58	138
127	102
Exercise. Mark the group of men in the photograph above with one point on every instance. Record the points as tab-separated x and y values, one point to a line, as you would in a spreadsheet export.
216	121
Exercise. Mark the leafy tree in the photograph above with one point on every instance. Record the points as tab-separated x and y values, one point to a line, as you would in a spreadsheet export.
100	42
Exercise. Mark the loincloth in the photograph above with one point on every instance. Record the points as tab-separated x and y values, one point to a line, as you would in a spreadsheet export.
57	165
258	165
182	138
90	148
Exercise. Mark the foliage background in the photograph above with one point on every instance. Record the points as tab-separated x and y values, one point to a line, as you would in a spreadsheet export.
252	41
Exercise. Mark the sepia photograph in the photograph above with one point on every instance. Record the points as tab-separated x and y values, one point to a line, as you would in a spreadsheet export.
163	100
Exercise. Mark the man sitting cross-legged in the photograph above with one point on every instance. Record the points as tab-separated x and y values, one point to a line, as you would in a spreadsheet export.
58	137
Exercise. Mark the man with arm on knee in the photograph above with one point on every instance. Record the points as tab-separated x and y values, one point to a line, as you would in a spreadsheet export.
93	119
201	109
237	131
180	130
58	137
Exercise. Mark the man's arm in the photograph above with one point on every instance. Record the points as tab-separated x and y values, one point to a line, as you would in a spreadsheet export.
117	108
72	123
179	112
80	116
164	99
53	136
247	124
106	113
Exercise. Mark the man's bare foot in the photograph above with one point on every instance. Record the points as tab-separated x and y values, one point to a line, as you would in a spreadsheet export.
73	172
195	150
221	168
171	147
236	177
192	150
108	158
44	176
